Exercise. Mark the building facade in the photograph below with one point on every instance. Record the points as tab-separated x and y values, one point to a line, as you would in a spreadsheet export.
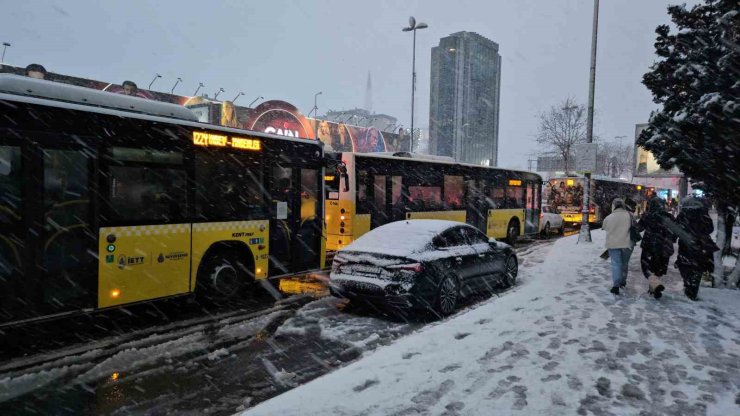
465	98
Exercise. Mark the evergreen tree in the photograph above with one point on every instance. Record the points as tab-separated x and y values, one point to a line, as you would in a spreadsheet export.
697	82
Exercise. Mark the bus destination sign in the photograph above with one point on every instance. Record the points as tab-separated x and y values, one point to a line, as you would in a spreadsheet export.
220	140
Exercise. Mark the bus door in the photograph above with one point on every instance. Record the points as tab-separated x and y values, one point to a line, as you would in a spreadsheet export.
15	285
307	243
295	223
476	204
283	220
531	214
66	250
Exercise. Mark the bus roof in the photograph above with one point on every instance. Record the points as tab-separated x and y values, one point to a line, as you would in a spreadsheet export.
99	109
20	85
447	161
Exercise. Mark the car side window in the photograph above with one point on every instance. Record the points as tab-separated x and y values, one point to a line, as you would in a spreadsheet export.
452	238
475	236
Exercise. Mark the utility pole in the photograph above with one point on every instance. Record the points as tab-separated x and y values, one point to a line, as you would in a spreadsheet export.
585	233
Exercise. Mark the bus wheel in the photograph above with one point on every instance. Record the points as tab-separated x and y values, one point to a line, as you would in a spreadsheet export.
512	231
223	276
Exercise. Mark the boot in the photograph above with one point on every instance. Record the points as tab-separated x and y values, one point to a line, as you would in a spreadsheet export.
615	290
655	287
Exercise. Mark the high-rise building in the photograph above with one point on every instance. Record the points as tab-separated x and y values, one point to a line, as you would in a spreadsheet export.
464	102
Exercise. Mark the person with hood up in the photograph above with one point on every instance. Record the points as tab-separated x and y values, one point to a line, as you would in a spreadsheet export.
657	244
618	243
695	245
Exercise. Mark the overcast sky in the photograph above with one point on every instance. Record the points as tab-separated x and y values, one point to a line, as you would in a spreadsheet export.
290	49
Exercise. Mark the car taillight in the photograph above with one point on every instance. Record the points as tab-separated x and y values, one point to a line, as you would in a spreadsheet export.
412	267
591	210
542	215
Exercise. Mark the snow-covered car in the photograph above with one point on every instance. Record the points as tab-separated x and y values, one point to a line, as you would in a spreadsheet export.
421	265
551	221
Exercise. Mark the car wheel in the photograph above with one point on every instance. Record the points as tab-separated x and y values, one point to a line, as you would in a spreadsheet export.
511	270
447	295
546	231
561	231
512	232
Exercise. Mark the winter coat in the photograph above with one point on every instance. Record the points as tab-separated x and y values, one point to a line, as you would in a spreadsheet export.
695	244
658	239
617	226
657	242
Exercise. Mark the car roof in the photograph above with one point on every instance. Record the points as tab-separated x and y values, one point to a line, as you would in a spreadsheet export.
402	238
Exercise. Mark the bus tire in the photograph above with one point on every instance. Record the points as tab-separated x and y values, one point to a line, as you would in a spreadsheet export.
224	276
512	231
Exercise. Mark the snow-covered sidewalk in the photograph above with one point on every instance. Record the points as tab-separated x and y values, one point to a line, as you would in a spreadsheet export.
557	344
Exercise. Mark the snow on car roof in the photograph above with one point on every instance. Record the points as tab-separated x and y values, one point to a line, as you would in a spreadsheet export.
401	238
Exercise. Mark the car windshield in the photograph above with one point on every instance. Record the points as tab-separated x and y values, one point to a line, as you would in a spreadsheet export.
383	207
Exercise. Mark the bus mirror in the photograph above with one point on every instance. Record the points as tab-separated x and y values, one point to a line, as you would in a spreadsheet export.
342	170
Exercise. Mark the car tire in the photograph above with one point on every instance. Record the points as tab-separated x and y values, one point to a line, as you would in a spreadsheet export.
561	231
447	295
546	231
511	270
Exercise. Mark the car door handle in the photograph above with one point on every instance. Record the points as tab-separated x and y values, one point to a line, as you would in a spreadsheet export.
481	255
458	259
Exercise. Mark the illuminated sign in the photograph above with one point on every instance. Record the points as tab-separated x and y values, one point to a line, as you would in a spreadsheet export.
329	178
209	139
515	182
569	182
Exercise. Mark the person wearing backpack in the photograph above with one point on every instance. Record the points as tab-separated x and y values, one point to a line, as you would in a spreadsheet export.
657	244
695	244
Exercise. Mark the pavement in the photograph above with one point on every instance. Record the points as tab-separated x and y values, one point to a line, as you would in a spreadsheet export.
558	343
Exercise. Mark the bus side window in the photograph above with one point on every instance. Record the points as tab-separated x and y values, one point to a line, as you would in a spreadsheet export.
66	196
453	189
10	184
362	203
148	194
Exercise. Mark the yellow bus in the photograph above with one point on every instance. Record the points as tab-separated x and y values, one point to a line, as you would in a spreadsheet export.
566	194
370	189
108	200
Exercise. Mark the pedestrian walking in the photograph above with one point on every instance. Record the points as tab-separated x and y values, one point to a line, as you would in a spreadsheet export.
695	244
617	226
657	244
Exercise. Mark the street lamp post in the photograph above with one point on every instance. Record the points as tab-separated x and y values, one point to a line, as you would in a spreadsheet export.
413	26
220	90
585	234
200	85
5	46
154	79
179	80
237	96
255	100
316	114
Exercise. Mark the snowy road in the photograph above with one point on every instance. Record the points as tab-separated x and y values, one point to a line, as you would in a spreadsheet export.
210	365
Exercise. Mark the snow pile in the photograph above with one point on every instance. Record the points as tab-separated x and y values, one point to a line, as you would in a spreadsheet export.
558	344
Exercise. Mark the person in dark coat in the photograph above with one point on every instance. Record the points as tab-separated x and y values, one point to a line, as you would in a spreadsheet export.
695	245
657	244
